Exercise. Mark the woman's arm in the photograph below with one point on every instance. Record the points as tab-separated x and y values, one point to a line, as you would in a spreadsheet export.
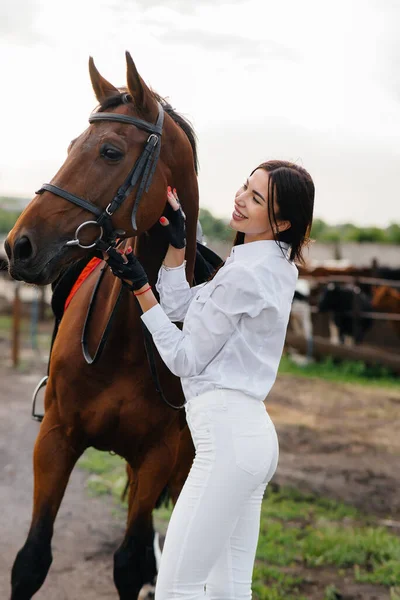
174	290
188	353
175	257
235	292
172	286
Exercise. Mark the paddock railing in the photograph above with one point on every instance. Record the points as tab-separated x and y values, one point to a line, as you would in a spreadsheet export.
356	281
321	346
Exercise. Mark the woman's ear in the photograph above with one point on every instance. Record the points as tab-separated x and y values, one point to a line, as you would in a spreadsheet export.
283	226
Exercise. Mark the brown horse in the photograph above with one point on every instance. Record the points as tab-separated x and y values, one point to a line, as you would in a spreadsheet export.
111	405
387	299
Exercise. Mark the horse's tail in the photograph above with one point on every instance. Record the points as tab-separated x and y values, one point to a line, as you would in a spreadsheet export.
164	498
125	490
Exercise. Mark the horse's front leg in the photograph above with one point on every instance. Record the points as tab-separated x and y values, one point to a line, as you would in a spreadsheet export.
54	458
134	561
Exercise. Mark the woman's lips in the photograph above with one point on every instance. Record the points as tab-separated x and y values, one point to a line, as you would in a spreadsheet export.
237	216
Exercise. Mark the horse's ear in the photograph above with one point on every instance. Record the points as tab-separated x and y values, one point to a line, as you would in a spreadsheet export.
144	99
102	88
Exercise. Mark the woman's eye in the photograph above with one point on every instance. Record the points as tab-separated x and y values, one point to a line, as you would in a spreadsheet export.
255	200
110	152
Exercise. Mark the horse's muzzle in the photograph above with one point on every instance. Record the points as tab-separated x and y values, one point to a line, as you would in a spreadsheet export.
28	264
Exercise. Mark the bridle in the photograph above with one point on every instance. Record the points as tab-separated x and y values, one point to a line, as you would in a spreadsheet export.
141	173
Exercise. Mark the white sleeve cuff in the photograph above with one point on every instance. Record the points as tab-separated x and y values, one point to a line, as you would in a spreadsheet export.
173	268
173	276
155	318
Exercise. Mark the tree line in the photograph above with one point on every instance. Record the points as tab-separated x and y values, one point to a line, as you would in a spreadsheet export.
347	232
7	220
217	229
214	228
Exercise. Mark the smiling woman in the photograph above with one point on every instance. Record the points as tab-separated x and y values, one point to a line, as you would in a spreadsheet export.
275	203
227	356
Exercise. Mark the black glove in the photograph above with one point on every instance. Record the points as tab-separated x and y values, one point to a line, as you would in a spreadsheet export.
131	269
175	230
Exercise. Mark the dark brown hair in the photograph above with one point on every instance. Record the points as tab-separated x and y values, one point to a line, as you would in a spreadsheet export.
291	190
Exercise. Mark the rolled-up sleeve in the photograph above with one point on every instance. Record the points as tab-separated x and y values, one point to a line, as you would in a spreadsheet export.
186	353
175	291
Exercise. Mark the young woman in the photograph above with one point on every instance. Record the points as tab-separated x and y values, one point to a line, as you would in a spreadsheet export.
227	356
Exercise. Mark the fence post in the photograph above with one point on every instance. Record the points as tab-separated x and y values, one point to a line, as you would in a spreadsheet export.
34	320
356	319
42	302
16	325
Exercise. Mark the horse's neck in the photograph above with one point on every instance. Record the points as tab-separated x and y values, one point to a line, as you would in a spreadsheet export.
151	250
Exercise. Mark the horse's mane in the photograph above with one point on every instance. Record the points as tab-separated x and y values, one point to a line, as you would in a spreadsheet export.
184	124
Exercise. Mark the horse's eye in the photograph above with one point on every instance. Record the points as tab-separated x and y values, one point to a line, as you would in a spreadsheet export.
110	152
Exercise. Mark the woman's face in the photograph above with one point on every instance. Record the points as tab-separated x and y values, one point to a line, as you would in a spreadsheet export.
250	215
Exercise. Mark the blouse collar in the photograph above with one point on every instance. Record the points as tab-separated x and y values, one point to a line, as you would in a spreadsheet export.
258	249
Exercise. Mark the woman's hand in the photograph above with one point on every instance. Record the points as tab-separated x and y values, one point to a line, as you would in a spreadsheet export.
127	267
174	225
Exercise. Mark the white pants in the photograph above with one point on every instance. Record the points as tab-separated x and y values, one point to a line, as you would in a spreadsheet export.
213	532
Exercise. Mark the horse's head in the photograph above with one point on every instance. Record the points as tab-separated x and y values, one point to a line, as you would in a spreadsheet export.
113	182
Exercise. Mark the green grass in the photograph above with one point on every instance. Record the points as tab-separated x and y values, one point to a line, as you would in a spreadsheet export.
331	593
364	547
269	583
342	372
291	504
107	473
298	532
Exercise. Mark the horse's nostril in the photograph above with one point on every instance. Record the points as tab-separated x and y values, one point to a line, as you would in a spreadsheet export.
23	248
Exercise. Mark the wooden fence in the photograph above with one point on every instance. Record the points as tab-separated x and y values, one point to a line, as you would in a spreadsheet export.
369	354
356	281
322	347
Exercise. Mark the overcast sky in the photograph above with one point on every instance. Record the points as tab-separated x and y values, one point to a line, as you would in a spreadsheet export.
316	82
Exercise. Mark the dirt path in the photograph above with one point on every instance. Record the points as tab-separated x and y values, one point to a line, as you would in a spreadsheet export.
340	441
337	440
86	532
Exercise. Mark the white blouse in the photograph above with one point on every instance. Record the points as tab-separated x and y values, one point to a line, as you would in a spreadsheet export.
234	326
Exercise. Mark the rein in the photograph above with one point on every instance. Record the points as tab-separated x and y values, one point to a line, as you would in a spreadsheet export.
148	342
